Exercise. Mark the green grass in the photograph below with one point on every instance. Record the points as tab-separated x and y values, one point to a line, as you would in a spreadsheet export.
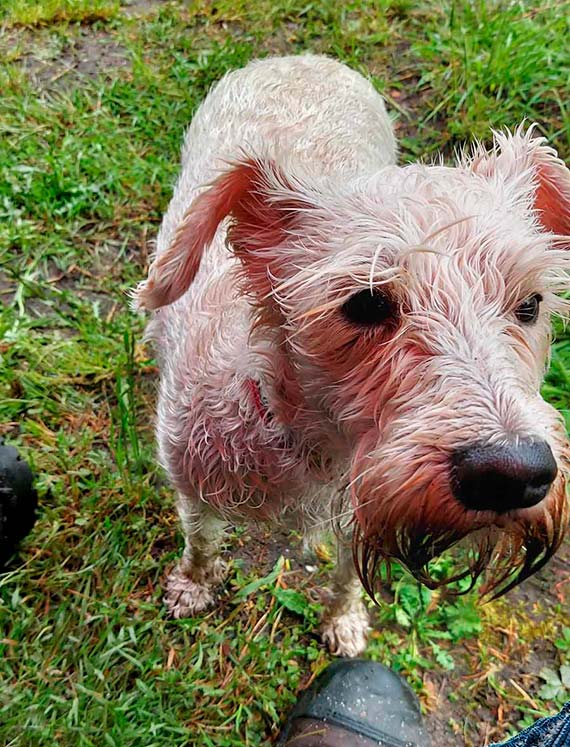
87	163
32	13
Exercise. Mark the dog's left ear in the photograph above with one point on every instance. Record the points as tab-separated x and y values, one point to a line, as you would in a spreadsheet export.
263	207
521	156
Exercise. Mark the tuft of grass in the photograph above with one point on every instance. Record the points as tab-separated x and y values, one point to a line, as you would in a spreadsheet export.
30	13
88	156
495	65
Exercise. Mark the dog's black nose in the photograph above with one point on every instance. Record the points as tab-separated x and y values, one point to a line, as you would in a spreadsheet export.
503	477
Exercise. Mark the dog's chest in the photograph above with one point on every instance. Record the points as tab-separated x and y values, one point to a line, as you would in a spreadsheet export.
222	423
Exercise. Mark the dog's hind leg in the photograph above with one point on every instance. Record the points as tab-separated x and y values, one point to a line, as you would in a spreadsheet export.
346	623
190	585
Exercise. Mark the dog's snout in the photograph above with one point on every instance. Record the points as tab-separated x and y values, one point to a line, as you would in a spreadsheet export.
503	477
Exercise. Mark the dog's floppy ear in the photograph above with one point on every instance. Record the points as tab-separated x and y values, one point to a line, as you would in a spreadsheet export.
259	200
520	155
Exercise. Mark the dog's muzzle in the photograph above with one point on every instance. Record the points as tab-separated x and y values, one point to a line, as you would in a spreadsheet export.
504	477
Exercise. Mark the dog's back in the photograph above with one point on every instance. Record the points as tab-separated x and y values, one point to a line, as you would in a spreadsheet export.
313	111
319	117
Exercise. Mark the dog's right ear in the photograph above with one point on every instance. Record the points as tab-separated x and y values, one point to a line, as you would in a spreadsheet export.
522	157
254	193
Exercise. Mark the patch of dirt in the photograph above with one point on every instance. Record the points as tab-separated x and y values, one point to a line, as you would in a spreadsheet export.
6	285
87	54
260	548
143	7
282	39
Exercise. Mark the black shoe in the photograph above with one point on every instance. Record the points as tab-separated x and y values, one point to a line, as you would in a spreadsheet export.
356	703
18	502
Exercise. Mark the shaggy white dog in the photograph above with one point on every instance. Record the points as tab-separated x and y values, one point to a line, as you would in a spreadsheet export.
345	341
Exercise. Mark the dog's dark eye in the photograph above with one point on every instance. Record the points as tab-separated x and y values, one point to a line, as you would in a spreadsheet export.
368	307
527	311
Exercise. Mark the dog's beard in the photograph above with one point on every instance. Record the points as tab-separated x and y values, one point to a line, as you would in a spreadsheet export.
503	550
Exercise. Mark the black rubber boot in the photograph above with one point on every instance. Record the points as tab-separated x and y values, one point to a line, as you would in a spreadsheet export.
356	703
18	502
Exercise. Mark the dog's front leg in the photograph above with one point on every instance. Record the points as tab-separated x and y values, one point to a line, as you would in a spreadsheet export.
346	623
190	585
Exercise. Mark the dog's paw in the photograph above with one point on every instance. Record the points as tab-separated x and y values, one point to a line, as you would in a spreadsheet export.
217	572
185	597
346	634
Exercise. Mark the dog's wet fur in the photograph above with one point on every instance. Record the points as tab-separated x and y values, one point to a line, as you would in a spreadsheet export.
349	343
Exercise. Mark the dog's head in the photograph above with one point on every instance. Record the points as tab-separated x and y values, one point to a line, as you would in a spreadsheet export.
416	305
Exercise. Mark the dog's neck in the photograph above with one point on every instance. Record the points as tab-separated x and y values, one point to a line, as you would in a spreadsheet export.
280	394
